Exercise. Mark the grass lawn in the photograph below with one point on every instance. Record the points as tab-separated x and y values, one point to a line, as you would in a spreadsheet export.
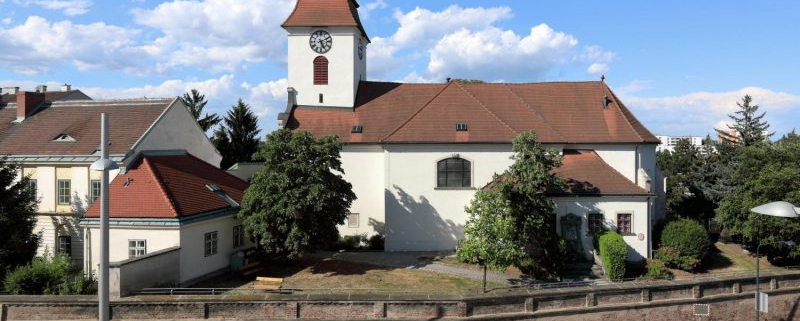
451	260
728	258
325	275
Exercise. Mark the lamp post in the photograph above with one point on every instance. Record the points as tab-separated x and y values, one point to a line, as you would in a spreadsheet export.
779	209
103	165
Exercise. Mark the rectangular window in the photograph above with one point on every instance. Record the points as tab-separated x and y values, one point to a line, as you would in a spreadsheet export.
352	220
64	192
137	248
95	189
33	188
211	243
624	223
453	172
65	245
595	222
238	236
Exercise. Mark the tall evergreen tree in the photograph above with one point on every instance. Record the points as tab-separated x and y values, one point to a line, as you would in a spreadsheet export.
195	102
749	126
17	219
237	138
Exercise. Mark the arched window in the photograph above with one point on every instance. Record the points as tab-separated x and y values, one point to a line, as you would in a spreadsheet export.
454	172
320	70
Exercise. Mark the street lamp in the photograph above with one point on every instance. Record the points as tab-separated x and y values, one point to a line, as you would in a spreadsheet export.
779	209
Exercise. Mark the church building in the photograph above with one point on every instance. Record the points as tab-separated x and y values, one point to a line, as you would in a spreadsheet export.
416	153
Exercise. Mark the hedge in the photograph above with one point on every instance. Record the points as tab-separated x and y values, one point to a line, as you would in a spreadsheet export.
613	254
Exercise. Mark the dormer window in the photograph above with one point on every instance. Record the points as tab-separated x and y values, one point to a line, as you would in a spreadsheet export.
357	129
63	138
461	127
320	70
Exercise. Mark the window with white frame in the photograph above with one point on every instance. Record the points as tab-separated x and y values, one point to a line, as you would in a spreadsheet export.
64	192
238	236
137	248
95	189
352	220
210	243
624	223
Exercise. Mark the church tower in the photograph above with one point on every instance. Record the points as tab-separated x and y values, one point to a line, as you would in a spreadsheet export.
327	52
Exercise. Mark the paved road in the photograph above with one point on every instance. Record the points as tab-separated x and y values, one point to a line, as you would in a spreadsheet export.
412	261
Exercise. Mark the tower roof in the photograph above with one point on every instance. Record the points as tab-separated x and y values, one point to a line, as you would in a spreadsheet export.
325	13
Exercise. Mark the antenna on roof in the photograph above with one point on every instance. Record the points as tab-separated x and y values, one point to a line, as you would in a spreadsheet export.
603	77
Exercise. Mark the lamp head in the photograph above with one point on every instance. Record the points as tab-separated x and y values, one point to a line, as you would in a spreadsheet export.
779	209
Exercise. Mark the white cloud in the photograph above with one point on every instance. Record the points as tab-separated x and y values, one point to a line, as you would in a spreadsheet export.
699	112
268	98
37	44
492	51
597	69
7	21
68	7
634	86
365	10
214	88
216	35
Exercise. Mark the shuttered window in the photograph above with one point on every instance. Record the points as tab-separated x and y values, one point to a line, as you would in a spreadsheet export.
320	70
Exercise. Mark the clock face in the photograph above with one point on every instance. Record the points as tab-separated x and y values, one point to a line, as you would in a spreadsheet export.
360	50
320	41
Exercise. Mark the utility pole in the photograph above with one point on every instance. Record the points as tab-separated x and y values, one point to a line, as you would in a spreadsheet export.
103	165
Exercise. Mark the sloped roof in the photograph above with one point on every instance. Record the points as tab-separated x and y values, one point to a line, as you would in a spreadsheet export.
128	121
325	13
587	174
49	96
558	112
169	186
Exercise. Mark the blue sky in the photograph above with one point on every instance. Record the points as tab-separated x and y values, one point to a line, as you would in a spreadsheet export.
680	66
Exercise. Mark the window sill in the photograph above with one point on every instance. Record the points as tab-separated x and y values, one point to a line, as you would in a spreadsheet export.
454	188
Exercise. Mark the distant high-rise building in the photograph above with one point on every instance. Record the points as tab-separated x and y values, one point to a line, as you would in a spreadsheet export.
669	142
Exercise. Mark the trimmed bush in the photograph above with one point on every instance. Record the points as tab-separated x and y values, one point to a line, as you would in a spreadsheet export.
48	276
684	244
613	254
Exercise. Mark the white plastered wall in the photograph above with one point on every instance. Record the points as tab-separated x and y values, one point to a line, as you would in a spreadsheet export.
194	263
157	238
610	206
364	169
178	130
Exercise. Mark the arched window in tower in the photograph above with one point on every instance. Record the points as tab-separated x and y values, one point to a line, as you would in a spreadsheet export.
320	70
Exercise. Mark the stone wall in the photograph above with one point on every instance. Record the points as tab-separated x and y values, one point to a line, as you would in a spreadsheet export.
158	268
727	300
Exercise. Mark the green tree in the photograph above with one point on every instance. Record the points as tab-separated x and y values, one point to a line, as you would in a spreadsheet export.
17	218
237	139
195	102
525	185
297	199
684	169
766	172
490	234
749	126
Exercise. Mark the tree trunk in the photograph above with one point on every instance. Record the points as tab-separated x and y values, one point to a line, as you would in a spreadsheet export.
484	278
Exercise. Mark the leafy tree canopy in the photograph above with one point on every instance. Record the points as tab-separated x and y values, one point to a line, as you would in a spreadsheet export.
684	167
195	102
297	199
17	218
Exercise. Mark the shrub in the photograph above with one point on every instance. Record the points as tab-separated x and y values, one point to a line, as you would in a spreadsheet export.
351	242
684	244
376	242
613	254
657	270
48	276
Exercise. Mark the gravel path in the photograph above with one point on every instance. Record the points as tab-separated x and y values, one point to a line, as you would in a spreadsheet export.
412	261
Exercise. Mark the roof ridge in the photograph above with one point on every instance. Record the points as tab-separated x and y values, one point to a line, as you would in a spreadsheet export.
415	113
486	108
620	107
157	175
534	112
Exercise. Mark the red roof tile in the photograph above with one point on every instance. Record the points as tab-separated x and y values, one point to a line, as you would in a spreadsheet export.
169	186
559	112
328	13
587	174
128	121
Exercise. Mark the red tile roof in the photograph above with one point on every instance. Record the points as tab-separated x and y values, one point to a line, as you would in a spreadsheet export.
128	121
587	174
558	112
329	13
169	186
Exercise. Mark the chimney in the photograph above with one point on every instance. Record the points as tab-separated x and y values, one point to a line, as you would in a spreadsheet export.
66	87
27	101
41	88
10	90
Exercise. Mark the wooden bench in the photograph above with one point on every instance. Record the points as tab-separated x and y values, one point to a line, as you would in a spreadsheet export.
267	283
